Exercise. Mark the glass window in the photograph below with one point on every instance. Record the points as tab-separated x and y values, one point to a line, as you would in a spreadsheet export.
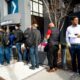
31	5
35	6
36	14
40	2
35	0
40	8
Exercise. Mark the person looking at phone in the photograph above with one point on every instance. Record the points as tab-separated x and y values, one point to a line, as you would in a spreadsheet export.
73	42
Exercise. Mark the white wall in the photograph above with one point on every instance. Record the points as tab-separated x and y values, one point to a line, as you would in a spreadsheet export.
3	8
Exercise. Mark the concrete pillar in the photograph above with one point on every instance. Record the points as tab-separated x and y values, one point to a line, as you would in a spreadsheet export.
3	8
24	9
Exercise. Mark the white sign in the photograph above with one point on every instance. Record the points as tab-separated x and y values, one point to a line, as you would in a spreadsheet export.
6	23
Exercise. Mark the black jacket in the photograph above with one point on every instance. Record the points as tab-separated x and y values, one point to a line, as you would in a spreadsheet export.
54	37
32	36
19	36
1	38
37	34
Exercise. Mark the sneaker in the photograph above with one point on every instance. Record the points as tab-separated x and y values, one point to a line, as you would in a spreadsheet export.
51	70
37	66
32	67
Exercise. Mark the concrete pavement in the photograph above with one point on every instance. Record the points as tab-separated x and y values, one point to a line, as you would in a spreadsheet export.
20	71
59	75
17	71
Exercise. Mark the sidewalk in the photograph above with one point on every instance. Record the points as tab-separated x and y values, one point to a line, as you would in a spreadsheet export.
20	71
17	71
59	75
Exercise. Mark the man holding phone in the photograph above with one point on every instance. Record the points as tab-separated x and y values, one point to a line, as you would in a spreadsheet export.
73	42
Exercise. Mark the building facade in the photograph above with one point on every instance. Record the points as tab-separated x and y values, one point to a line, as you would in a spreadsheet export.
15	11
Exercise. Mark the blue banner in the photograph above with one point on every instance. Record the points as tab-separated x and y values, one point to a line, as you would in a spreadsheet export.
12	6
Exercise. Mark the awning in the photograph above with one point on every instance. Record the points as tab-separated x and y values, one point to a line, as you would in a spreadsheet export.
11	19
6	23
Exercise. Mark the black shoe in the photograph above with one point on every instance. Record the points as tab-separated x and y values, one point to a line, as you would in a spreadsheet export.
37	66
32	67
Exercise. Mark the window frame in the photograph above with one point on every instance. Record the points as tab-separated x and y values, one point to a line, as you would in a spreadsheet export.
32	11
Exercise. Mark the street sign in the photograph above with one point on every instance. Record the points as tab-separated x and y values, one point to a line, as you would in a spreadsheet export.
13	6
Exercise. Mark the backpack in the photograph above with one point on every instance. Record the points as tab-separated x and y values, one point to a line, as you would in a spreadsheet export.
1	38
18	35
30	38
54	37
6	39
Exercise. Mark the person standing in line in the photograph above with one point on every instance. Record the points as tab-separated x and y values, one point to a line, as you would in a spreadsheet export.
73	42
12	43
7	53
36	37
27	33
53	42
1	47
18	40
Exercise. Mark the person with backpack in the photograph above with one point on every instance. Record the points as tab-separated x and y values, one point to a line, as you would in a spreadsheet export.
18	40
33	41
1	46
27	33
53	45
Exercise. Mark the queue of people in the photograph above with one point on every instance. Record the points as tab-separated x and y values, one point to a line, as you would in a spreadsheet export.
71	41
26	44
23	45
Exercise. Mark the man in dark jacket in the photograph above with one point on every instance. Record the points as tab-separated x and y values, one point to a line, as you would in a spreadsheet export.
53	41
27	32
1	46
34	48
19	37
7	52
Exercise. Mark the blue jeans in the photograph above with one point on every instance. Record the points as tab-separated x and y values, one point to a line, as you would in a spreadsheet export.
7	54
18	46
26	55
11	51
63	55
75	52
34	56
1	55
